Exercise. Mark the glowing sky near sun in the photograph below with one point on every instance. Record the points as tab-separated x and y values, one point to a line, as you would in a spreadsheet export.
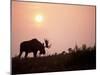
63	25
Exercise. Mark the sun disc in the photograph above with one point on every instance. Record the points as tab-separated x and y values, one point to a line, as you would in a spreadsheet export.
39	18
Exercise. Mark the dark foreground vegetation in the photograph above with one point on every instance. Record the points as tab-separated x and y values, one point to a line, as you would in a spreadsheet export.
77	59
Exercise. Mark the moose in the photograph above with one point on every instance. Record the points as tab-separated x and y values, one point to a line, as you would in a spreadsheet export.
34	46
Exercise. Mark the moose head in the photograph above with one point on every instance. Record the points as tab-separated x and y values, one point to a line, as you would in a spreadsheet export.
45	45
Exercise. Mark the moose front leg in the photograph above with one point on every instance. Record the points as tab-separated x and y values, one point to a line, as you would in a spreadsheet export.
35	53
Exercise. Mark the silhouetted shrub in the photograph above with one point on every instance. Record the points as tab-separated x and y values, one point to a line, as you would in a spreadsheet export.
84	47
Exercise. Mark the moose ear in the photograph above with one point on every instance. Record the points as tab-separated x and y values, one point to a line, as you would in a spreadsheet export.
43	44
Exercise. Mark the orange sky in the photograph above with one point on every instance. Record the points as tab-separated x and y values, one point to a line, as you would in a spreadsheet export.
63	25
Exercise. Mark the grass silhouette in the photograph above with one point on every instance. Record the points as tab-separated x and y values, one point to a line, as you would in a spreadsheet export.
81	59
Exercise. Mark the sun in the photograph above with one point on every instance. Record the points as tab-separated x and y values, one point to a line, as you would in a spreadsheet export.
39	18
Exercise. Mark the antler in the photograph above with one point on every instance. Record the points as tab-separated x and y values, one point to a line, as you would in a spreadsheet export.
47	43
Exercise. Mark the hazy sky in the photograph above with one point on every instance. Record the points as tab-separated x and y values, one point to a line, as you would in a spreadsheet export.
63	25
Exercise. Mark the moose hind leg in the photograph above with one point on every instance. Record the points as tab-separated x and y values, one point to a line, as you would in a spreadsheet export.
26	53
20	54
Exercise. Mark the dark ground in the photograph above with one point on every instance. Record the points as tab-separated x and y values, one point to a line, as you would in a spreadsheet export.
80	60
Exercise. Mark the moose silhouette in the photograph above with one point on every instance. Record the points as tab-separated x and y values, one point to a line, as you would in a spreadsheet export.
34	46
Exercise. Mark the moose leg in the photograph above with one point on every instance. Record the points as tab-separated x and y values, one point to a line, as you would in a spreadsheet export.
26	53
20	54
35	54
